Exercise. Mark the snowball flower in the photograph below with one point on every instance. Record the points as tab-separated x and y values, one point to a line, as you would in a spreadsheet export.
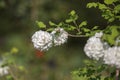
42	40
60	36
94	47
112	56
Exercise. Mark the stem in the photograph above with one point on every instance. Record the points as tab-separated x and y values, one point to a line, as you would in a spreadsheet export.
117	74
110	8
76	26
11	72
117	40
113	4
76	35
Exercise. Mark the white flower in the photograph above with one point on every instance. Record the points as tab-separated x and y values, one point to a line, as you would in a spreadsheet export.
4	70
112	56
42	40
94	47
99	35
60	36
105	45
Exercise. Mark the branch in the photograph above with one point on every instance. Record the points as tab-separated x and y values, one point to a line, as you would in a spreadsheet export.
13	76
76	35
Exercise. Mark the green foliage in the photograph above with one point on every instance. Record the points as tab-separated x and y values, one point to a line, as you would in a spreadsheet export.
2	4
40	24
9	77
51	23
14	50
84	23
72	17
10	61
92	4
86	30
70	24
102	6
95	27
93	71
117	8
108	1
111	33
110	13
72	13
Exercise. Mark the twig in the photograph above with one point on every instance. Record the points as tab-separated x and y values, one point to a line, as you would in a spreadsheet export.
14	77
76	26
117	40
117	74
71	35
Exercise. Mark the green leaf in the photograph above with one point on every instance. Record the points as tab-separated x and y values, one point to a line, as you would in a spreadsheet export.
71	27
9	77
87	34
95	27
111	33
108	1
60	24
117	17
68	27
21	68
72	12
68	20
111	19
50	29
102	6
93	4
84	23
86	29
72	17
92	33
40	24
51	23
14	50
117	8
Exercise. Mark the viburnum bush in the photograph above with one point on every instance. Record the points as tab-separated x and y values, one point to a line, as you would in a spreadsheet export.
102	46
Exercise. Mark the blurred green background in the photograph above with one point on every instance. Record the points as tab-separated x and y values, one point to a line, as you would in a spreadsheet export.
17	25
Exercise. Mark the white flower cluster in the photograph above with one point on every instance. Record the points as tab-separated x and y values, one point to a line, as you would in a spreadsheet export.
112	56
94	47
97	49
60	36
3	70
43	40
